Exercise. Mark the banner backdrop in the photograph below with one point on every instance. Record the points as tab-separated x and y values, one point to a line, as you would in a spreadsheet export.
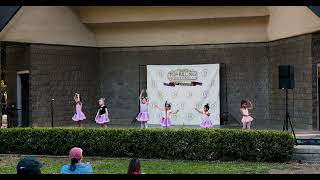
186	87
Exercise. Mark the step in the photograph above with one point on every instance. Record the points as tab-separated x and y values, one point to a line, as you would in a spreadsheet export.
306	157
307	149
308	141
306	153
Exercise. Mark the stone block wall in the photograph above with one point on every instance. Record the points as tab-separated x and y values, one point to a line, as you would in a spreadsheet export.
58	72
251	72
246	74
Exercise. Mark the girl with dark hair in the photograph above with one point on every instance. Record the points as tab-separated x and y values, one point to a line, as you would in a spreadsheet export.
246	120
76	166
102	117
134	167
165	121
143	115
78	116
206	121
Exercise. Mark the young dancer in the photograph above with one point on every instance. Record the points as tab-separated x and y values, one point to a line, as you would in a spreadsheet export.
165	121
78	116
143	116
102	117
206	121
244	111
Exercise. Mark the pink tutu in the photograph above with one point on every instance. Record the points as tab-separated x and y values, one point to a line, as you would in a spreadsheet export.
246	119
78	116
143	117
102	119
206	123
163	122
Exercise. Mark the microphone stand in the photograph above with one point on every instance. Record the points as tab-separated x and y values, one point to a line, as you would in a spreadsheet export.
52	112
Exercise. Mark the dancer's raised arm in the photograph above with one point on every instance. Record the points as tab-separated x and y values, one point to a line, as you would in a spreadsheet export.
175	112
198	110
161	109
147	98
251	106
75	97
140	97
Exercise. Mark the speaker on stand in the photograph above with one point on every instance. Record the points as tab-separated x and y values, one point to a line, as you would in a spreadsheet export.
286	81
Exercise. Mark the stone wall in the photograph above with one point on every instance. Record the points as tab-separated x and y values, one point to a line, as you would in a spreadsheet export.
58	72
246	73
251	72
315	61
295	51
17	60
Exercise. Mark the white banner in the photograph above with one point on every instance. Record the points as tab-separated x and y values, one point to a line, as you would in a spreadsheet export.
186	87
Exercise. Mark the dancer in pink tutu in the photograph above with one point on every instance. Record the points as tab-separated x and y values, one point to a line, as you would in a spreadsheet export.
143	116
102	117
78	116
165	121
206	121
244	111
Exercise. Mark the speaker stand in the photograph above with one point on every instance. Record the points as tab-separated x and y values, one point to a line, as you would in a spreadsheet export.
288	120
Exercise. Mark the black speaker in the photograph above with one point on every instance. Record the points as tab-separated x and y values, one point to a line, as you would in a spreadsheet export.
286	77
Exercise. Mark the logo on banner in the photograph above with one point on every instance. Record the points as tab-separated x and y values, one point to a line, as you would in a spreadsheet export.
182	77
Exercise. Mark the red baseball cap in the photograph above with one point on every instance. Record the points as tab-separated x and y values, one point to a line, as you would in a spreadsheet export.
75	153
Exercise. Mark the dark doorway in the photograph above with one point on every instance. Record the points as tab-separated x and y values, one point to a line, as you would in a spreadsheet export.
25	100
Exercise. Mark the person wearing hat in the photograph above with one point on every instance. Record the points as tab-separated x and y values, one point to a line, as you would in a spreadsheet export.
76	166
29	166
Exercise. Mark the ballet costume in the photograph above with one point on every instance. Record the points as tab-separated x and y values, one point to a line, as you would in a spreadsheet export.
166	122
143	116
246	119
206	121
101	117
78	115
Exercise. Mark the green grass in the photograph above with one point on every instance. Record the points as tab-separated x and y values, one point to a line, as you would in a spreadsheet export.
52	165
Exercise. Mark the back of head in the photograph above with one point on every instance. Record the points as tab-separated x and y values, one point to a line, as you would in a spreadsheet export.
243	102
207	106
29	166
134	166
75	155
167	104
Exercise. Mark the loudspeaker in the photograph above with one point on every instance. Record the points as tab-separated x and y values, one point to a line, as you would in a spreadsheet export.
286	77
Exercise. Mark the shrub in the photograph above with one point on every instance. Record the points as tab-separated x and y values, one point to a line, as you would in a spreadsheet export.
184	144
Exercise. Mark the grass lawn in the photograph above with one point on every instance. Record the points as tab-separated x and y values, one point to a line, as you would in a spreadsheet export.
52	165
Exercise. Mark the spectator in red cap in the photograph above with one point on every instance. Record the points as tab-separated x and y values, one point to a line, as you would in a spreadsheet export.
76	166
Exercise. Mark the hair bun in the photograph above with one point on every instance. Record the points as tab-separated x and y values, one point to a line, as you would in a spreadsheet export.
207	106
